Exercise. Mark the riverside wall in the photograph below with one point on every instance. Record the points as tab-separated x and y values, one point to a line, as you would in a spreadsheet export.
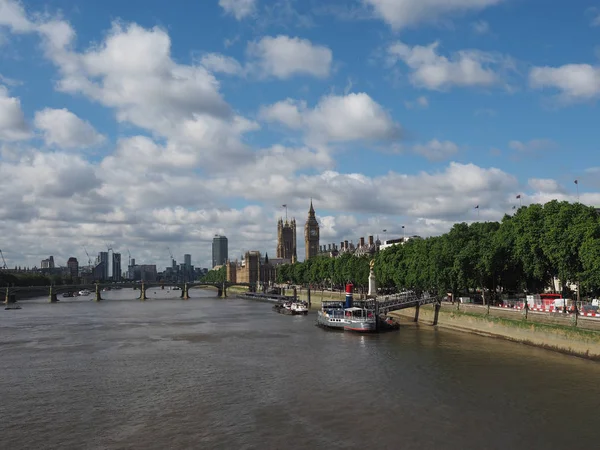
561	338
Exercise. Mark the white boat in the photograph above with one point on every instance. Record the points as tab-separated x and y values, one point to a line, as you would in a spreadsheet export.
84	292
334	315
292	308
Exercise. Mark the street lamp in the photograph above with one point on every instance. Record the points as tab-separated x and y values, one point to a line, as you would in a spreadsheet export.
384	236
403	234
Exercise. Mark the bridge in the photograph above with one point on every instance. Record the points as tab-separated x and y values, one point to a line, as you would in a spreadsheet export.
11	293
394	302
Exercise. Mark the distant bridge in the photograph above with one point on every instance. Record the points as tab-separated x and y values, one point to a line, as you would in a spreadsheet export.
11	293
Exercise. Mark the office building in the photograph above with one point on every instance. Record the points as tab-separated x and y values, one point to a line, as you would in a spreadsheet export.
219	250
73	267
116	267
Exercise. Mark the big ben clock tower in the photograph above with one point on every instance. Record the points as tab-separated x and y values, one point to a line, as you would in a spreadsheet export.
311	234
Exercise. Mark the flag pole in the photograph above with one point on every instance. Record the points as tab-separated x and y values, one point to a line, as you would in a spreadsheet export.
577	186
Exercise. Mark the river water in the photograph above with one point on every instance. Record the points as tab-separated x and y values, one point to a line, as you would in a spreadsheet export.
231	374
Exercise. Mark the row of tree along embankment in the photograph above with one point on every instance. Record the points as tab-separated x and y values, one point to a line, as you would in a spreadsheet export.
558	332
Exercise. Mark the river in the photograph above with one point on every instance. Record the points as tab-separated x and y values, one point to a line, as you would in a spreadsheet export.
208	373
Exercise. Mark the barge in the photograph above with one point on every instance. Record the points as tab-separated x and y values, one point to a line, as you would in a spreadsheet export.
291	308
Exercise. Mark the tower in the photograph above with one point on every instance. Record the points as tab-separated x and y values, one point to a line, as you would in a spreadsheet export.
286	239
311	234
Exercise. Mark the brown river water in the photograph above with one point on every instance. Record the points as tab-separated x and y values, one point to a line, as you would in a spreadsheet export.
231	374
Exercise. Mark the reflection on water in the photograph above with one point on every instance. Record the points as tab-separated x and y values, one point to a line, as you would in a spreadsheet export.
211	373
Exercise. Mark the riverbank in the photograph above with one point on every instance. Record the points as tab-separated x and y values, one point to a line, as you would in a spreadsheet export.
570	340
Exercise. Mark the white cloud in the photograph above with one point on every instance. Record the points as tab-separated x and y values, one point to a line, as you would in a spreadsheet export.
284	57
435	150
238	8
575	82
420	102
436	72
13	15
532	145
13	126
63	128
546	185
350	117
481	27
218	63
404	13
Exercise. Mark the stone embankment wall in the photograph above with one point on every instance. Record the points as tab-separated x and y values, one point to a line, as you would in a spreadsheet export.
561	338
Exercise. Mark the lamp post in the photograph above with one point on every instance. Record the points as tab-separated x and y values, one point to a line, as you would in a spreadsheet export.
384	236
403	234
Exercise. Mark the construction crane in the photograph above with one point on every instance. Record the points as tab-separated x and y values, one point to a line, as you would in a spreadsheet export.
88	255
3	261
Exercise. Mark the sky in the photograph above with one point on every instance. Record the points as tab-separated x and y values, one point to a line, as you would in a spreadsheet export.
151	126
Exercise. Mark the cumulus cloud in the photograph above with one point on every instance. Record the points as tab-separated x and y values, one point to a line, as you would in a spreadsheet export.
435	150
64	129
533	145
218	63
13	126
404	13
546	185
238	8
284	56
574	82
336	118
433	71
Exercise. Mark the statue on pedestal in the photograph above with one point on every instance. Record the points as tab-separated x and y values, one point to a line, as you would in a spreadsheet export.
372	282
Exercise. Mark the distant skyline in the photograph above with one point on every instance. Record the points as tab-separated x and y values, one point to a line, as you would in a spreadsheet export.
149	126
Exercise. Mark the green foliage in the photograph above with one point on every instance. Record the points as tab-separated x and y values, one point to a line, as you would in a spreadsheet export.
522	252
26	279
215	276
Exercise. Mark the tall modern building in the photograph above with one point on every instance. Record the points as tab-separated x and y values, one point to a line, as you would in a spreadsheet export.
187	260
116	267
73	266
219	250
286	239
102	260
311	234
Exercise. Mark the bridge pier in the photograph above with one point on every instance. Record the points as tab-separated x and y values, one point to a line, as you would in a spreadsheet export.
185	294
142	293
97	296
436	312
417	312
224	291
219	292
52	296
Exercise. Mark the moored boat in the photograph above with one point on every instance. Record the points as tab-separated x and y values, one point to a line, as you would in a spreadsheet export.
84	292
291	308
345	316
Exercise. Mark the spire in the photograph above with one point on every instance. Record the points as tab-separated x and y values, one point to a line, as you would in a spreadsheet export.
266	258
311	211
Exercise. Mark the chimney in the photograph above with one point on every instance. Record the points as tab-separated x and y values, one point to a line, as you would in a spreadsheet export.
329	247
370	240
342	245
346	245
362	241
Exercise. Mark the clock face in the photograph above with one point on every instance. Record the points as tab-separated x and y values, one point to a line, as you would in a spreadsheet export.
313	232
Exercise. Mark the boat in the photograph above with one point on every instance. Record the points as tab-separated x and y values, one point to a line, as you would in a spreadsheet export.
12	306
344	315
291	308
84	292
355	318
68	294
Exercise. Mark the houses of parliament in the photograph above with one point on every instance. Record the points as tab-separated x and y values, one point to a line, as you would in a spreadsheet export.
253	268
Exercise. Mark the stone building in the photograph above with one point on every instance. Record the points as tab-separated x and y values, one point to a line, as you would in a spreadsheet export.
286	240
253	269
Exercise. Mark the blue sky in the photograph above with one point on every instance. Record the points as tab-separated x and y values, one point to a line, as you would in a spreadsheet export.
148	124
